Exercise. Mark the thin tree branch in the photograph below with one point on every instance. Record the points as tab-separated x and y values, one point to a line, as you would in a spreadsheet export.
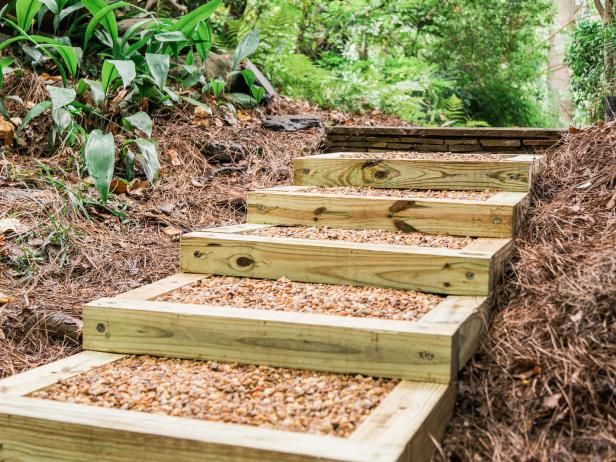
600	8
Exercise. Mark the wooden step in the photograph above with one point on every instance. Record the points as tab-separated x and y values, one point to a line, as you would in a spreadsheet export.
232	251
401	428
432	349
510	174
497	216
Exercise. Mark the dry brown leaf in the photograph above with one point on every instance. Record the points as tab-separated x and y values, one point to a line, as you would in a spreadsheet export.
201	113
136	187
4	299
172	231
118	186
174	157
551	402
6	132
13	225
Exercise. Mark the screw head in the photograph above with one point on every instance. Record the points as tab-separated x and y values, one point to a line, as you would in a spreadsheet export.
470	275
306	171
426	355
261	208
515	176
197	254
497	220
100	327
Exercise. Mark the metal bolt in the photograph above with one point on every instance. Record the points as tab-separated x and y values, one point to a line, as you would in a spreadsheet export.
197	254
261	208
306	171
515	176
470	275
100	327
497	220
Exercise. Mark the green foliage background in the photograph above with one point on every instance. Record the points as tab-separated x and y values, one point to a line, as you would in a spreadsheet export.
408	57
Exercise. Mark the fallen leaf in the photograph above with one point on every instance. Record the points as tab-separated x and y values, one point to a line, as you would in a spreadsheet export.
574	130
174	157
13	225
4	299
6	132
118	186
172	231
199	182
551	402
200	113
524	376
136	187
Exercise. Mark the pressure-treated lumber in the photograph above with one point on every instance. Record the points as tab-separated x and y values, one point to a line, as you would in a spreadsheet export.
293	206
430	351
43	430
434	270
529	133
512	174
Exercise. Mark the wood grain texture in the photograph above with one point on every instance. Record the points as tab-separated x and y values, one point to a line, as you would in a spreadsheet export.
376	347
469	315
34	430
434	270
45	376
506	175
407	417
291	206
166	285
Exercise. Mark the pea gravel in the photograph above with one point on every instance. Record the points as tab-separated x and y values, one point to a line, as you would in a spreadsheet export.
285	399
405	155
404	193
285	295
365	236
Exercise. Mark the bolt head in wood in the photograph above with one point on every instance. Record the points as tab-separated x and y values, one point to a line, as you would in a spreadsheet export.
100	327
470	275
497	220
306	171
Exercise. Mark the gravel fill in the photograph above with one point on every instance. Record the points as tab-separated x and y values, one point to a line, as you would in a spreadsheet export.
404	155
285	295
365	236
404	193
285	399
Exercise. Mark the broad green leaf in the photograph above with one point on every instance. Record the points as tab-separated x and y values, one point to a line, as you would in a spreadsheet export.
158	66
112	68
140	121
60	97
148	158
203	40
25	11
33	113
65	13
102	15
187	23
242	99
4	64
249	77
197	103
218	86
176	36
108	21
100	160
257	93
246	47
51	5
70	55
61	120
96	90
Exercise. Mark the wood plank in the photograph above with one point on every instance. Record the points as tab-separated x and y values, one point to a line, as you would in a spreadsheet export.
43	430
526	133
45	376
377	347
500	251
163	286
407	417
335	170
469	315
501	143
291	205
436	270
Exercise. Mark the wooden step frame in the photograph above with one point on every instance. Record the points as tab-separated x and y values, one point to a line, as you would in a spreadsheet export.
513	173
497	216
400	429
431	349
231	251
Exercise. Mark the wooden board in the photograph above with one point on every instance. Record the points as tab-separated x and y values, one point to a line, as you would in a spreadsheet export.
293	206
427	350
434	270
37	430
488	132
512	174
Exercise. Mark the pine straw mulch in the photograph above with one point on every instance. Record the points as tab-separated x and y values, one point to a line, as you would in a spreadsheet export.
543	385
64	259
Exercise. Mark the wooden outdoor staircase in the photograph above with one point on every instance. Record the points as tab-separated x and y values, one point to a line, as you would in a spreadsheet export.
427	354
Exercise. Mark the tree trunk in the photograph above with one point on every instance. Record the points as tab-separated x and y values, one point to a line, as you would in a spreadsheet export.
607	10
